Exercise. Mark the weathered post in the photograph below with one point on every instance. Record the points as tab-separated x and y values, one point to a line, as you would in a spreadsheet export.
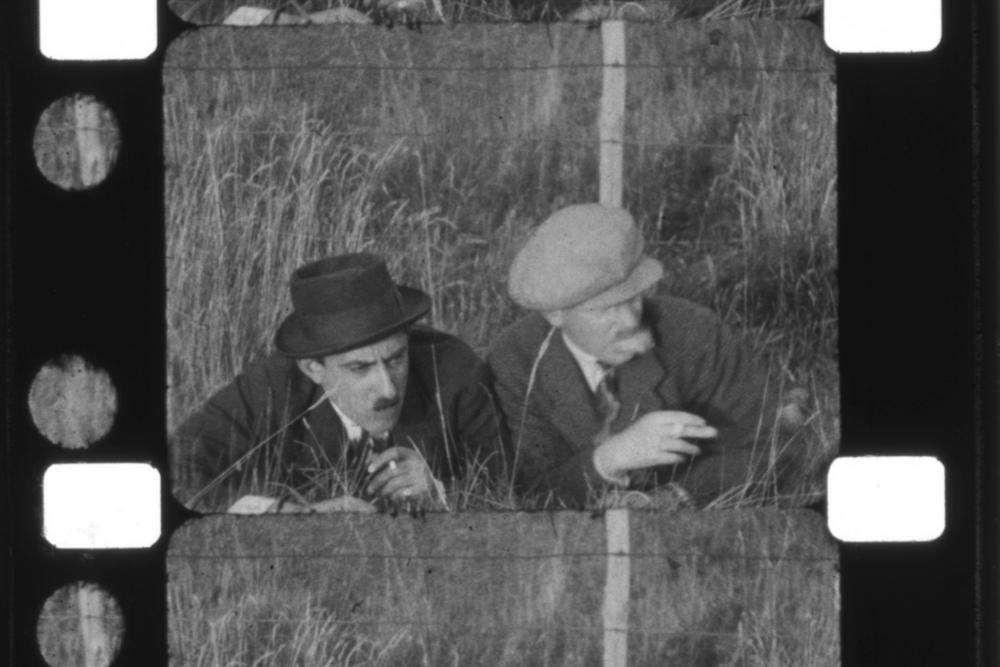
94	156
612	114
96	642
612	132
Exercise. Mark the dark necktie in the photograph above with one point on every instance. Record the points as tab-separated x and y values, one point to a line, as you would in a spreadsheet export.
606	394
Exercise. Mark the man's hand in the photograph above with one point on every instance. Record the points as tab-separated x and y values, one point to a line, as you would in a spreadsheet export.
657	438
793	412
401	474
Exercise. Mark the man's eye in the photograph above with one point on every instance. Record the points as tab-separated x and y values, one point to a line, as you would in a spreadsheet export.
397	359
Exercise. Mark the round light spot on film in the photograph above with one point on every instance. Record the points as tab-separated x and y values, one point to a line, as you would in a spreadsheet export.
72	403
80	624
76	142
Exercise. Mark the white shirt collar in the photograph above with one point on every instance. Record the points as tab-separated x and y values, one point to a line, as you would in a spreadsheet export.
354	432
593	372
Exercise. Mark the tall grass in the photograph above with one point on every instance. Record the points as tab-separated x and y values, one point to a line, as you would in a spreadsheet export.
729	169
461	11
724	588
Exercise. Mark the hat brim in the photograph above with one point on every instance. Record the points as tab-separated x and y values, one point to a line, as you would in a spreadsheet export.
294	340
646	273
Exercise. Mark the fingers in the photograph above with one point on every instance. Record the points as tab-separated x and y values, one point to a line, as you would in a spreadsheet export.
677	424
388	471
681	447
679	417
678	431
400	488
391	454
411	473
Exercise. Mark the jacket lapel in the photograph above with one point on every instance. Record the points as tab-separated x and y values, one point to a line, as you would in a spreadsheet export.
421	426
645	385
561	384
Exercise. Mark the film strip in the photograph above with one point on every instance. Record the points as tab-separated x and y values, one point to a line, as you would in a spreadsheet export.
88	259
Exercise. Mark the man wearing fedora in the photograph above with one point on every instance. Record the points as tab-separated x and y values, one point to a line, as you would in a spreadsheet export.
358	406
605	385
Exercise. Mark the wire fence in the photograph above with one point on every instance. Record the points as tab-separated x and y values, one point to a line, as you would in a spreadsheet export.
509	139
500	627
413	67
667	556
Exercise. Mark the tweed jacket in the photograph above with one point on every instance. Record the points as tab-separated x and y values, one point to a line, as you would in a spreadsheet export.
448	415
696	366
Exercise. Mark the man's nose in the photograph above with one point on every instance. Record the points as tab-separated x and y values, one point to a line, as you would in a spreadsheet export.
629	313
385	384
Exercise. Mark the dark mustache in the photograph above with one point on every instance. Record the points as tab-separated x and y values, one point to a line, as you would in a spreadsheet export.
386	403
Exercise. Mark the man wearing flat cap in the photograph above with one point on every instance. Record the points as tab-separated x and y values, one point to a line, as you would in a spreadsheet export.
605	385
358	407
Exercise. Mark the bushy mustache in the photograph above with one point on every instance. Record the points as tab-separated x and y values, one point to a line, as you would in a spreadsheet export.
638	340
630	333
385	403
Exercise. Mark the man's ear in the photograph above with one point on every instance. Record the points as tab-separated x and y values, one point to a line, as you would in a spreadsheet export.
311	368
555	317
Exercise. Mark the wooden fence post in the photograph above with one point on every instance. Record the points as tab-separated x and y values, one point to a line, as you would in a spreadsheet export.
96	642
612	114
616	589
93	155
612	132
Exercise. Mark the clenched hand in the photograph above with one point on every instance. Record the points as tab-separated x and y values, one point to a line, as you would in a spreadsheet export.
401	474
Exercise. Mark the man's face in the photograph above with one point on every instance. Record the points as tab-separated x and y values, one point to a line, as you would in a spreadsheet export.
368	383
614	334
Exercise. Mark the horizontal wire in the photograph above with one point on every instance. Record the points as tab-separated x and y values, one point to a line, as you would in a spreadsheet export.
474	137
367	240
489	68
488	138
500	626
375	238
507	557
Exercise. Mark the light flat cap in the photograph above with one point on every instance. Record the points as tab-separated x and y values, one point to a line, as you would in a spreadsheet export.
582	253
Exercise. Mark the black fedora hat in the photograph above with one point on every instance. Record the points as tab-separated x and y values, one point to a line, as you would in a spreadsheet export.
344	302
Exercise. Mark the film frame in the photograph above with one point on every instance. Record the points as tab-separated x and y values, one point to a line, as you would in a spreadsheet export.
891	594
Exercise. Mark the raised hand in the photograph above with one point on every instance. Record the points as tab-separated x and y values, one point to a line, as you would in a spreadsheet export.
657	438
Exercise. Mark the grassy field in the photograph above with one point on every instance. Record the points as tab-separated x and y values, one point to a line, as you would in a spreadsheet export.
278	153
291	144
723	588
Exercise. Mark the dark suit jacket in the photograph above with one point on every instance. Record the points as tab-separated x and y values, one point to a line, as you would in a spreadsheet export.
696	366
448	415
